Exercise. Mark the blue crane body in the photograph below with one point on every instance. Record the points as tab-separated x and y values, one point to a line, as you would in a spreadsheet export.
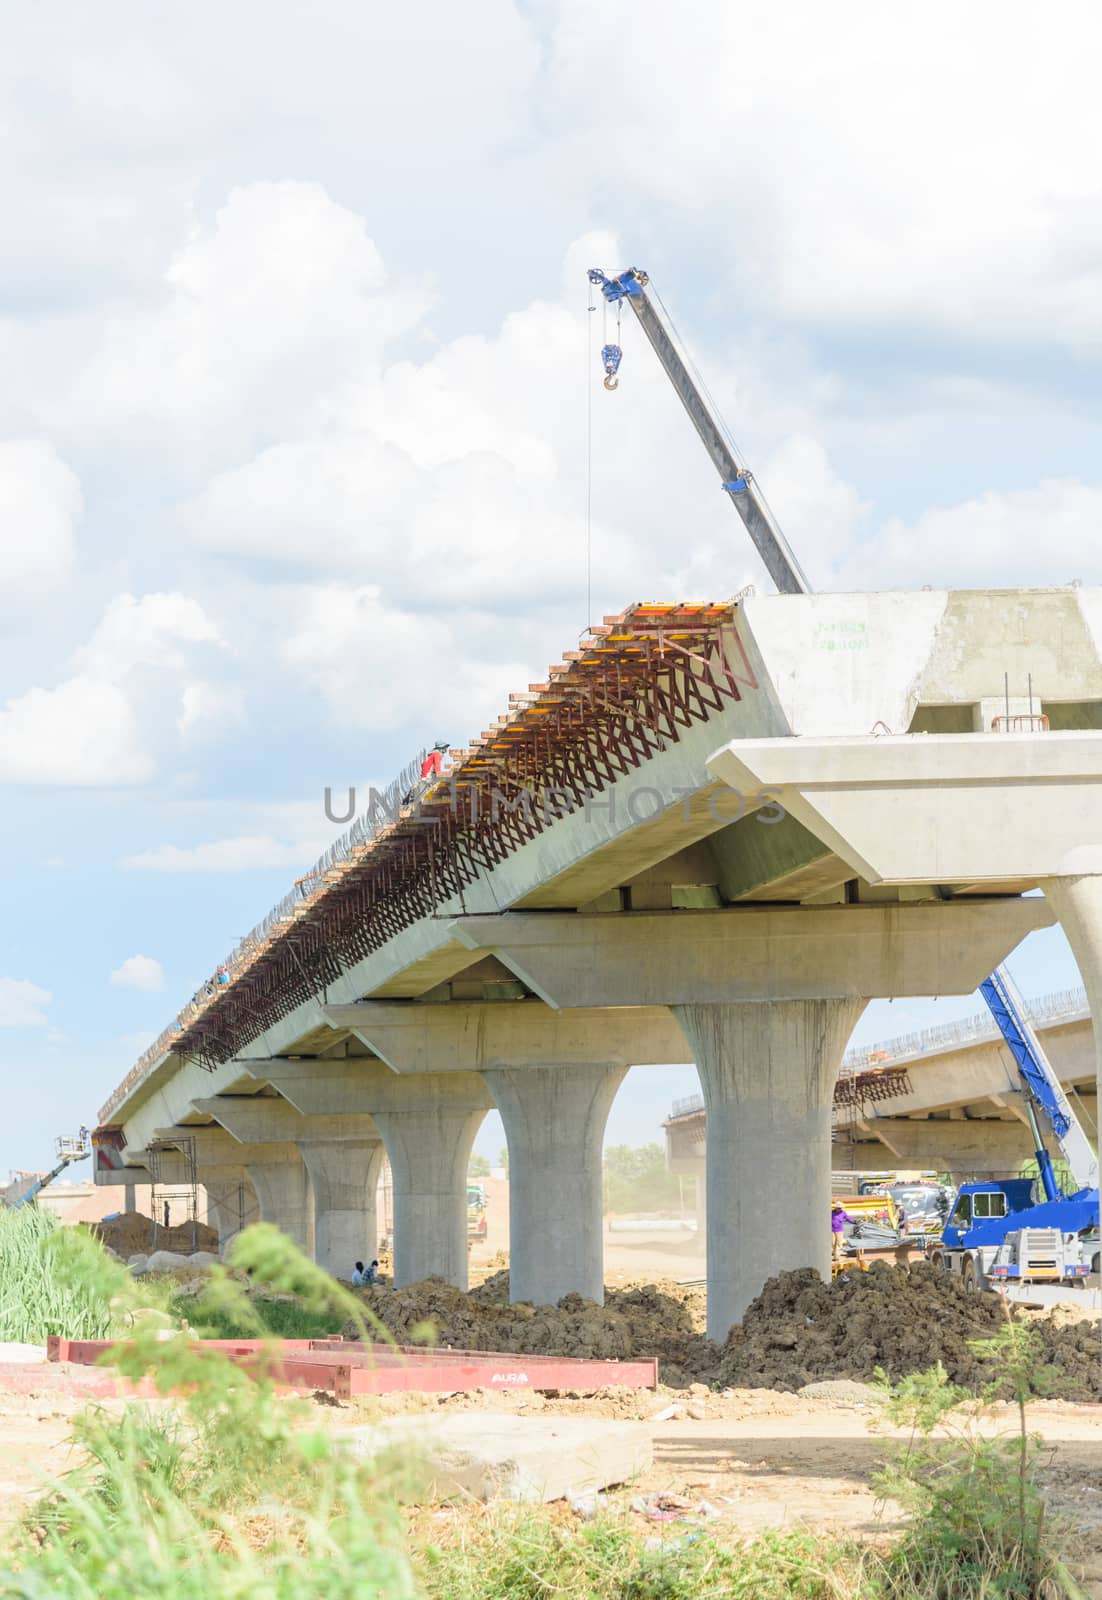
995	1227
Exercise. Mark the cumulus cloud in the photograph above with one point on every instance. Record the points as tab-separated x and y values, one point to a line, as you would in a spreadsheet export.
1009	537
95	729
145	632
22	1003
139	972
40	506
82	733
909	174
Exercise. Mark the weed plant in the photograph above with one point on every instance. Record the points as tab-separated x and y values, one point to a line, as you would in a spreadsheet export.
38	1294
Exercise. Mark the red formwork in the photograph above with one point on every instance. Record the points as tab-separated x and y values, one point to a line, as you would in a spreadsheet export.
347	1367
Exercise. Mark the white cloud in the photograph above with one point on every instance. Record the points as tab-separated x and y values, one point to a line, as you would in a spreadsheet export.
40	505
1008	538
283	298
246	853
380	668
139	972
83	733
934	171
208	705
22	1003
145	632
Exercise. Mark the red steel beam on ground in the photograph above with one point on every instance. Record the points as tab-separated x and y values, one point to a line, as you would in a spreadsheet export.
346	1367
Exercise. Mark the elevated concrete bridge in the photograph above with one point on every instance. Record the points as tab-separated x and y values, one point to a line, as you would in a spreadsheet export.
953	1105
591	890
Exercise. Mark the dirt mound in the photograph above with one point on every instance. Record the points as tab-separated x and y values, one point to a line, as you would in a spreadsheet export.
131	1234
798	1331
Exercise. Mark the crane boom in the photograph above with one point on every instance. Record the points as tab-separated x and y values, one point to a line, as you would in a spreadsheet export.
769	541
1042	1086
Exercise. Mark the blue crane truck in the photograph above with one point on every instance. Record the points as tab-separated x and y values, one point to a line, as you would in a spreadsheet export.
1000	1233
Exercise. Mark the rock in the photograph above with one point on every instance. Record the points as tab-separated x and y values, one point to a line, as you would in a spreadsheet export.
489	1456
139	1262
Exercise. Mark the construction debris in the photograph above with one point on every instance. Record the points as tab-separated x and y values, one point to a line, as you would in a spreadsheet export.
797	1332
131	1233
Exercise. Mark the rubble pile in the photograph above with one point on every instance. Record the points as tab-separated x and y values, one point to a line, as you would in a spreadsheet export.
131	1233
798	1331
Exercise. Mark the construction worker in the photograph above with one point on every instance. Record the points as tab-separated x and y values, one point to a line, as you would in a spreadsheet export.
359	1275
838	1220
431	767
433	764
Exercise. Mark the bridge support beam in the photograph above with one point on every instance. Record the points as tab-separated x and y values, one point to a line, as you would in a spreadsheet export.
282	1185
427	1123
344	1182
232	1204
1077	902
343	1157
553	1075
554	1120
767	1071
429	1145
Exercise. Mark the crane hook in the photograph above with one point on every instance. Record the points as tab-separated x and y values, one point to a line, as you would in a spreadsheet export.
611	356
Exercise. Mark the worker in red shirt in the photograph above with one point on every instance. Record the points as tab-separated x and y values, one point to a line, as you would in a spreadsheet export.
433	764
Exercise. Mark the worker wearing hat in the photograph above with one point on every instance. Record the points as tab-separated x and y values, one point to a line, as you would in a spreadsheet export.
433	764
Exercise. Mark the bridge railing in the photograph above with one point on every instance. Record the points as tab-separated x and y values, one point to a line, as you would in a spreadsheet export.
1065	1005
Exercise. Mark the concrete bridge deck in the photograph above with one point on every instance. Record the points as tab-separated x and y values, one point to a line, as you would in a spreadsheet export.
587	893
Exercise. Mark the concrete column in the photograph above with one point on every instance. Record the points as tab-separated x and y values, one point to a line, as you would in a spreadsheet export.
554	1120
701	1187
429	1145
1077	902
283	1190
767	1070
344	1175
231	1202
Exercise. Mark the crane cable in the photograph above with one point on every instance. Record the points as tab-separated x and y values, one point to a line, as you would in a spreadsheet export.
589	462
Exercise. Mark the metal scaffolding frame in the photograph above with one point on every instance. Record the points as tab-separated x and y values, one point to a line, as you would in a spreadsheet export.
167	1185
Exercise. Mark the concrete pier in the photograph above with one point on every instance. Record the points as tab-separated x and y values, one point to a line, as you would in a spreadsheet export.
554	1120
344	1180
767	1072
429	1145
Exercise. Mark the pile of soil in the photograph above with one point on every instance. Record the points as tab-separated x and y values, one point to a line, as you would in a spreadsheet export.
798	1331
131	1234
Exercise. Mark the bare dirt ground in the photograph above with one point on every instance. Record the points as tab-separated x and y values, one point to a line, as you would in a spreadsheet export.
744	1461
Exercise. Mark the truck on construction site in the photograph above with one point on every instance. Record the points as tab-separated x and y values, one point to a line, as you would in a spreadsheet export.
67	1151
1000	1235
476	1212
996	1233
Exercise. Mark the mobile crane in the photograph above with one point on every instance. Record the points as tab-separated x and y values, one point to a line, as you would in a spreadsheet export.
67	1151
996	1232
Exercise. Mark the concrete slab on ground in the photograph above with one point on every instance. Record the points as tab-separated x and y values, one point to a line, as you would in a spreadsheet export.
488	1456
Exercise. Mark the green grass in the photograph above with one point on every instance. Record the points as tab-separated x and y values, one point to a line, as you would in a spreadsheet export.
528	1555
39	1295
283	1319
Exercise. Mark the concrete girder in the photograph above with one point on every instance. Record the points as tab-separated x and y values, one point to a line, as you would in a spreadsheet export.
982	1145
755	953
472	1036
963	808
365	1087
265	1119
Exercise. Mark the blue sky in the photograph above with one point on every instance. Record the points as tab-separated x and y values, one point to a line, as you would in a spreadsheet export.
293	437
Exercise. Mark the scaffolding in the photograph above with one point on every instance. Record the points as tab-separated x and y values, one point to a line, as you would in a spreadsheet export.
173	1179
